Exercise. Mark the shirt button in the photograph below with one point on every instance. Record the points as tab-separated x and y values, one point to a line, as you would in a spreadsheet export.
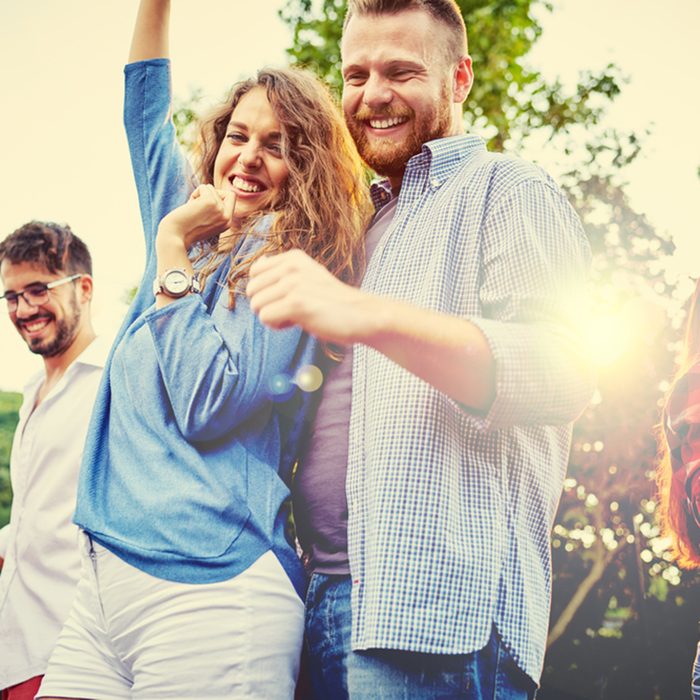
435	182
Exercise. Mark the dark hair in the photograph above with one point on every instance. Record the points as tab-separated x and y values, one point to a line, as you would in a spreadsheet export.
674	515
44	243
445	12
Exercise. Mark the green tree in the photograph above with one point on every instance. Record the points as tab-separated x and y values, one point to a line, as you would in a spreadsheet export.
508	99
186	113
615	589
9	408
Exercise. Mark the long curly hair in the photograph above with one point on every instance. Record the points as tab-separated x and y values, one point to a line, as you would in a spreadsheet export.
676	520
324	205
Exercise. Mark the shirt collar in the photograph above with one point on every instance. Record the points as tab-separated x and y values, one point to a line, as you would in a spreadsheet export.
440	157
94	354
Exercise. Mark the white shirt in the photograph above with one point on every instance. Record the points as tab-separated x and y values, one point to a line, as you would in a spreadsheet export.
39	545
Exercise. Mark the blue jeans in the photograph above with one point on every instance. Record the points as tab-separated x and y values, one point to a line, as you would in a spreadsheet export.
327	628
696	676
337	673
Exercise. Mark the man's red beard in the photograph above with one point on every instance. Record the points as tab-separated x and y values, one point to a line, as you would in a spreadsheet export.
388	157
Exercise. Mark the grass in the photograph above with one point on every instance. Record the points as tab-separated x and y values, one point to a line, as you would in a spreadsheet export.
9	407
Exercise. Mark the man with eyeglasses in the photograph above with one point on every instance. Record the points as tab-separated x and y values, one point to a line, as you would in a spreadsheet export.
46	272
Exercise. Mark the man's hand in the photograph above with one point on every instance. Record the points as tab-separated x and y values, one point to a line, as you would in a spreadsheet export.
292	289
448	352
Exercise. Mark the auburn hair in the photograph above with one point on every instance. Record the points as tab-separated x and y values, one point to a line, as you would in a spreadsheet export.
676	520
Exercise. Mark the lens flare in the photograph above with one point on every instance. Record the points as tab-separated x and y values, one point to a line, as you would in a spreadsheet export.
281	387
309	378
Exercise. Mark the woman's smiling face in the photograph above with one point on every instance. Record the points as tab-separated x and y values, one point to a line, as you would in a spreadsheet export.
249	161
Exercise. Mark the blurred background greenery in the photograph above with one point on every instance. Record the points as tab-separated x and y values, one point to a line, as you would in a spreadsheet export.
9	406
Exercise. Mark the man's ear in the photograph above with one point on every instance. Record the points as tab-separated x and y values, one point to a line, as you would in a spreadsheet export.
462	79
85	286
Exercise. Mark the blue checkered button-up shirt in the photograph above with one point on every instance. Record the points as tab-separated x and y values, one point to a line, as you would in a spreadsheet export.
450	512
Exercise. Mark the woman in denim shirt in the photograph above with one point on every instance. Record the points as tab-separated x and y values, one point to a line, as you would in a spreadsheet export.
190	586
678	474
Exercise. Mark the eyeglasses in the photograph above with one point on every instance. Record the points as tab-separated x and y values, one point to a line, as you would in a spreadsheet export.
35	294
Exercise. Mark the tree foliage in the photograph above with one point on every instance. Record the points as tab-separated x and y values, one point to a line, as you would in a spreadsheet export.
508	98
615	587
9	408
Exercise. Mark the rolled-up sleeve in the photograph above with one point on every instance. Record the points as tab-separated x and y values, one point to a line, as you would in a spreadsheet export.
535	269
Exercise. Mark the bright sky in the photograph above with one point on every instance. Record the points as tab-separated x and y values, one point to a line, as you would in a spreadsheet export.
65	156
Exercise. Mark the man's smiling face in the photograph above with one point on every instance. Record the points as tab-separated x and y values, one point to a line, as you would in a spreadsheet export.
397	87
50	328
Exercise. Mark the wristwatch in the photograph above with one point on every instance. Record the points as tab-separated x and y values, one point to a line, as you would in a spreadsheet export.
175	283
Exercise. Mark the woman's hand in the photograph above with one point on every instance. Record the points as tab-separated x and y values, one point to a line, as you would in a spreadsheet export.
207	212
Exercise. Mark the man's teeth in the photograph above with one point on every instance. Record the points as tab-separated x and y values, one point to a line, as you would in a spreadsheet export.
36	325
246	185
386	123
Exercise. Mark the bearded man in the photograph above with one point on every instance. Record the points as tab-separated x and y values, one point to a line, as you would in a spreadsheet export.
46	272
426	498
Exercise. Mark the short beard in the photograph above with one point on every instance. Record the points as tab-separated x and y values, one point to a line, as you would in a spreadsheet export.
66	330
389	158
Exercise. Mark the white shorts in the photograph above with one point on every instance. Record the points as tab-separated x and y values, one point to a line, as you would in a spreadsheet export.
131	635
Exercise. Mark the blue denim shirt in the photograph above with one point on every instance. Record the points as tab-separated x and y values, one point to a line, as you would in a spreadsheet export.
187	455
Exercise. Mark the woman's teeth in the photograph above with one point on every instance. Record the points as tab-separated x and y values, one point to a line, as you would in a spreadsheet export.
246	185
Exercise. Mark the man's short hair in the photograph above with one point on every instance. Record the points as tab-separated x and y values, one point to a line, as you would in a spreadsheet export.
445	12
47	244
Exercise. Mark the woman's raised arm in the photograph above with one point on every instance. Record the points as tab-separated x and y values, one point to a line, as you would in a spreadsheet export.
150	38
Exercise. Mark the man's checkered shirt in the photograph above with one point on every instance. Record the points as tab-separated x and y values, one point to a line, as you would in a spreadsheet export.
450	512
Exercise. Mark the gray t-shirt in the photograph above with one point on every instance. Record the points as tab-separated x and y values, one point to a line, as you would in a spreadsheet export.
320	503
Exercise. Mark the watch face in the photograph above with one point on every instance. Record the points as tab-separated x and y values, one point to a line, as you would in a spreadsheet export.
176	282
